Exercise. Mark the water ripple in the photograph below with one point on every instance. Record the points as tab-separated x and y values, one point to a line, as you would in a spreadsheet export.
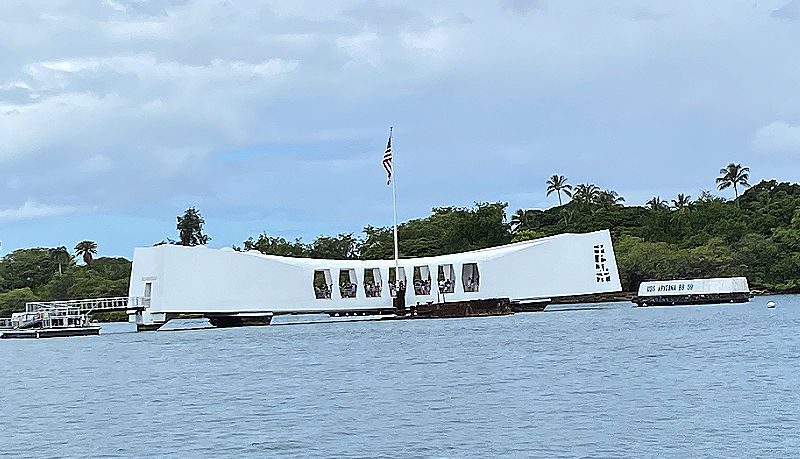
612	382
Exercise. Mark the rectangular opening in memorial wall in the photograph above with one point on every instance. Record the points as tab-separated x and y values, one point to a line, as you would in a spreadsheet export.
422	280
347	283
446	275
372	282
470	277
323	284
395	282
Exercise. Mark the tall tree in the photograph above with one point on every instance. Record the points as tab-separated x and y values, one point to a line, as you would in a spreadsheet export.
521	220
608	199
190	228
87	250
656	204
682	203
586	193
558	184
61	256
734	175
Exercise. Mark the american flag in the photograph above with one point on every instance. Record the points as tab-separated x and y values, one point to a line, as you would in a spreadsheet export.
387	160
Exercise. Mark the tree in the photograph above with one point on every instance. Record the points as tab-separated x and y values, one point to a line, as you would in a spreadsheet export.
586	193
269	245
608	199
733	175
682	203
87	250
342	247
27	268
527	235
14	300
446	230
190	228
522	220
657	204
558	183
61	256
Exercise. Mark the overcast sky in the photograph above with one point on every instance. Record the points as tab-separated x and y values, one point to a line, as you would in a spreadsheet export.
117	115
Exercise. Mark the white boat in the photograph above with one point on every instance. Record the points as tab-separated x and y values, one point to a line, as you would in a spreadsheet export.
693	291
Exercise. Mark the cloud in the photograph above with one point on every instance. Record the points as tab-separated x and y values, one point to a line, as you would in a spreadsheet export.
435	39
521	6
361	47
790	10
32	210
778	136
264	110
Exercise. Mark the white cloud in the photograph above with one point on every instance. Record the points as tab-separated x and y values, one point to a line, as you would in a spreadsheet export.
361	47
778	136
69	66
139	30
32	210
187	100
435	39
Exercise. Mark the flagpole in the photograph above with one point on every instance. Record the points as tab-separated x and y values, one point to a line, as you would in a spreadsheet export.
394	211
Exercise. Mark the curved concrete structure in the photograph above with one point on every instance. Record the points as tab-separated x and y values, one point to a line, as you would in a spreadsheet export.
183	280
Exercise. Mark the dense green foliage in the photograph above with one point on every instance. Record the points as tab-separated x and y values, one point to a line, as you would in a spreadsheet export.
447	230
51	274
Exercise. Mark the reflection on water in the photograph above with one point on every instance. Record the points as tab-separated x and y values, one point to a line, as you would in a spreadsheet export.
613	382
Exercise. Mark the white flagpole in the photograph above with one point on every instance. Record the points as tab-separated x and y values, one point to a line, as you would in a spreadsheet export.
394	209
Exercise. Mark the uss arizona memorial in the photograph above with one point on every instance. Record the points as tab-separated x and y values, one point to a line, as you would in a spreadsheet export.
229	287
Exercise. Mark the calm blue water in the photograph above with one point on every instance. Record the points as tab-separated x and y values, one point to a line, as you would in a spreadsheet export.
710	381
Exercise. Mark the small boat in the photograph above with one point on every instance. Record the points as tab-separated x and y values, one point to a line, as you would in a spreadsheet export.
50	322
693	291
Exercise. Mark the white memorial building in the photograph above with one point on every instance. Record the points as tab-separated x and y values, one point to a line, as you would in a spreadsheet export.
175	280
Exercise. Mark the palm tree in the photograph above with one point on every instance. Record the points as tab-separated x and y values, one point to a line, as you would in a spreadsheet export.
61	256
558	183
86	249
608	199
682	203
586	193
657	204
733	175
522	219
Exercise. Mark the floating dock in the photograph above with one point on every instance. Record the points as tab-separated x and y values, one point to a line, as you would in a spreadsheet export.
36	333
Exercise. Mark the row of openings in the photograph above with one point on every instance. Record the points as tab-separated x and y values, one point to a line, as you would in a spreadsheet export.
373	284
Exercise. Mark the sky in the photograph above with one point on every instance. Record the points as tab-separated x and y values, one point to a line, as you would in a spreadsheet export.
117	115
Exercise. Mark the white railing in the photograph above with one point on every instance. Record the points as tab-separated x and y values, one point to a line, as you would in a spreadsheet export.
5	323
120	303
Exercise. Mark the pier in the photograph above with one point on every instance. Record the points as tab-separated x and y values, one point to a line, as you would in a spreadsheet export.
49	319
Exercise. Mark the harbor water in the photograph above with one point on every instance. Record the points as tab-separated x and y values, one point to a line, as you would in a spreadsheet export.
612	381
